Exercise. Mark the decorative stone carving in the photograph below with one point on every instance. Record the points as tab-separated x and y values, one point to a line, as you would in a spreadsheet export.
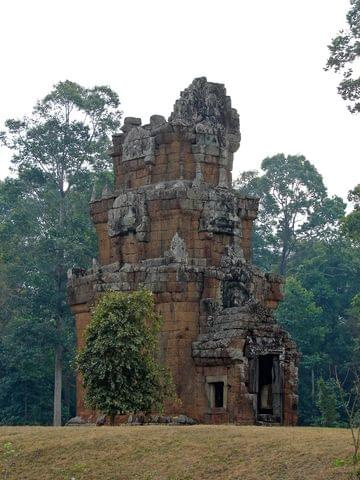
139	143
206	107
236	290
223	178
220	215
199	176
178	250
129	215
234	294
233	257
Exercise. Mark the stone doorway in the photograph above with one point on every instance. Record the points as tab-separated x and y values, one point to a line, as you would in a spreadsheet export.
267	384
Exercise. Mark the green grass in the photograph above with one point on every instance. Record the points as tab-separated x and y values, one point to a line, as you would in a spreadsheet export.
177	453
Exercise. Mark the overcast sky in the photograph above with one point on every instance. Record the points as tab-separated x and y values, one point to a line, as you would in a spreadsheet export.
269	54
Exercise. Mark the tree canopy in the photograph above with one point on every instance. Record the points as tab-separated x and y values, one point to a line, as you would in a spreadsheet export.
351	223
294	205
345	55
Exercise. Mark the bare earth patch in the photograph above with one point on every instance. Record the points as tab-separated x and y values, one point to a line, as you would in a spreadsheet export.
225	452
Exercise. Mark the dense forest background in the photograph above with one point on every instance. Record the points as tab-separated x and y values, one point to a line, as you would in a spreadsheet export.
60	157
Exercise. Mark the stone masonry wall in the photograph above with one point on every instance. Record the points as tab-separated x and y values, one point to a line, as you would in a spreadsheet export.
174	225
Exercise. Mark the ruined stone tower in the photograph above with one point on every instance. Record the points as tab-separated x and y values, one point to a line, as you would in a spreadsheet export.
174	225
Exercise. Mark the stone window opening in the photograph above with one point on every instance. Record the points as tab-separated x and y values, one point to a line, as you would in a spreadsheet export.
217	394
216	390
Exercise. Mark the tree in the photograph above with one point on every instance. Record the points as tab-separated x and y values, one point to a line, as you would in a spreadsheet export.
55	150
327	402
319	310
27	289
294	205
118	362
303	319
331	271
26	349
351	223
344	56
302	232
350	402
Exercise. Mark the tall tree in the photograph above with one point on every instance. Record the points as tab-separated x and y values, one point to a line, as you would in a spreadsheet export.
55	150
345	55
294	205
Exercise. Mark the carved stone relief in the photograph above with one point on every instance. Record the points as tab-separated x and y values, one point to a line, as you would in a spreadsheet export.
129	214
138	143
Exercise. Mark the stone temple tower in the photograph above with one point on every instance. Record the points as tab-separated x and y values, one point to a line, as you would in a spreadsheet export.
174	224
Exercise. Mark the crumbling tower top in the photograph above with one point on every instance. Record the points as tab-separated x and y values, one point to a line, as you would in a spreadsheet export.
204	108
196	143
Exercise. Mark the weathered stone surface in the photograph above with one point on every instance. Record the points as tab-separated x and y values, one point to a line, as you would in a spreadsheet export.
76	422
205	107
174	225
138	143
129	123
101	420
128	215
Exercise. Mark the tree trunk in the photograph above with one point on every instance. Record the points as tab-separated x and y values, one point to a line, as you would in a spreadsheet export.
112	419
60	268
312	385
26	404
67	395
286	236
283	259
57	386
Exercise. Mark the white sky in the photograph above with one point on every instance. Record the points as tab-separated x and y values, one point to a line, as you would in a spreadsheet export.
269	53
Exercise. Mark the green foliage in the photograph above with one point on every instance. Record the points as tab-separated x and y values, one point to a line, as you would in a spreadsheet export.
301	233
304	320
345	55
331	270
118	362
317	312
351	223
8	455
327	403
302	317
68	132
339	462
26	377
293	206
59	153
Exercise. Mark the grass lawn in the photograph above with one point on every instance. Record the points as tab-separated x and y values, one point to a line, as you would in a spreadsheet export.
177	453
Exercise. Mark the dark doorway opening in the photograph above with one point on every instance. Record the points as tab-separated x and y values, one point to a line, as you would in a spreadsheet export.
218	394
265	400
